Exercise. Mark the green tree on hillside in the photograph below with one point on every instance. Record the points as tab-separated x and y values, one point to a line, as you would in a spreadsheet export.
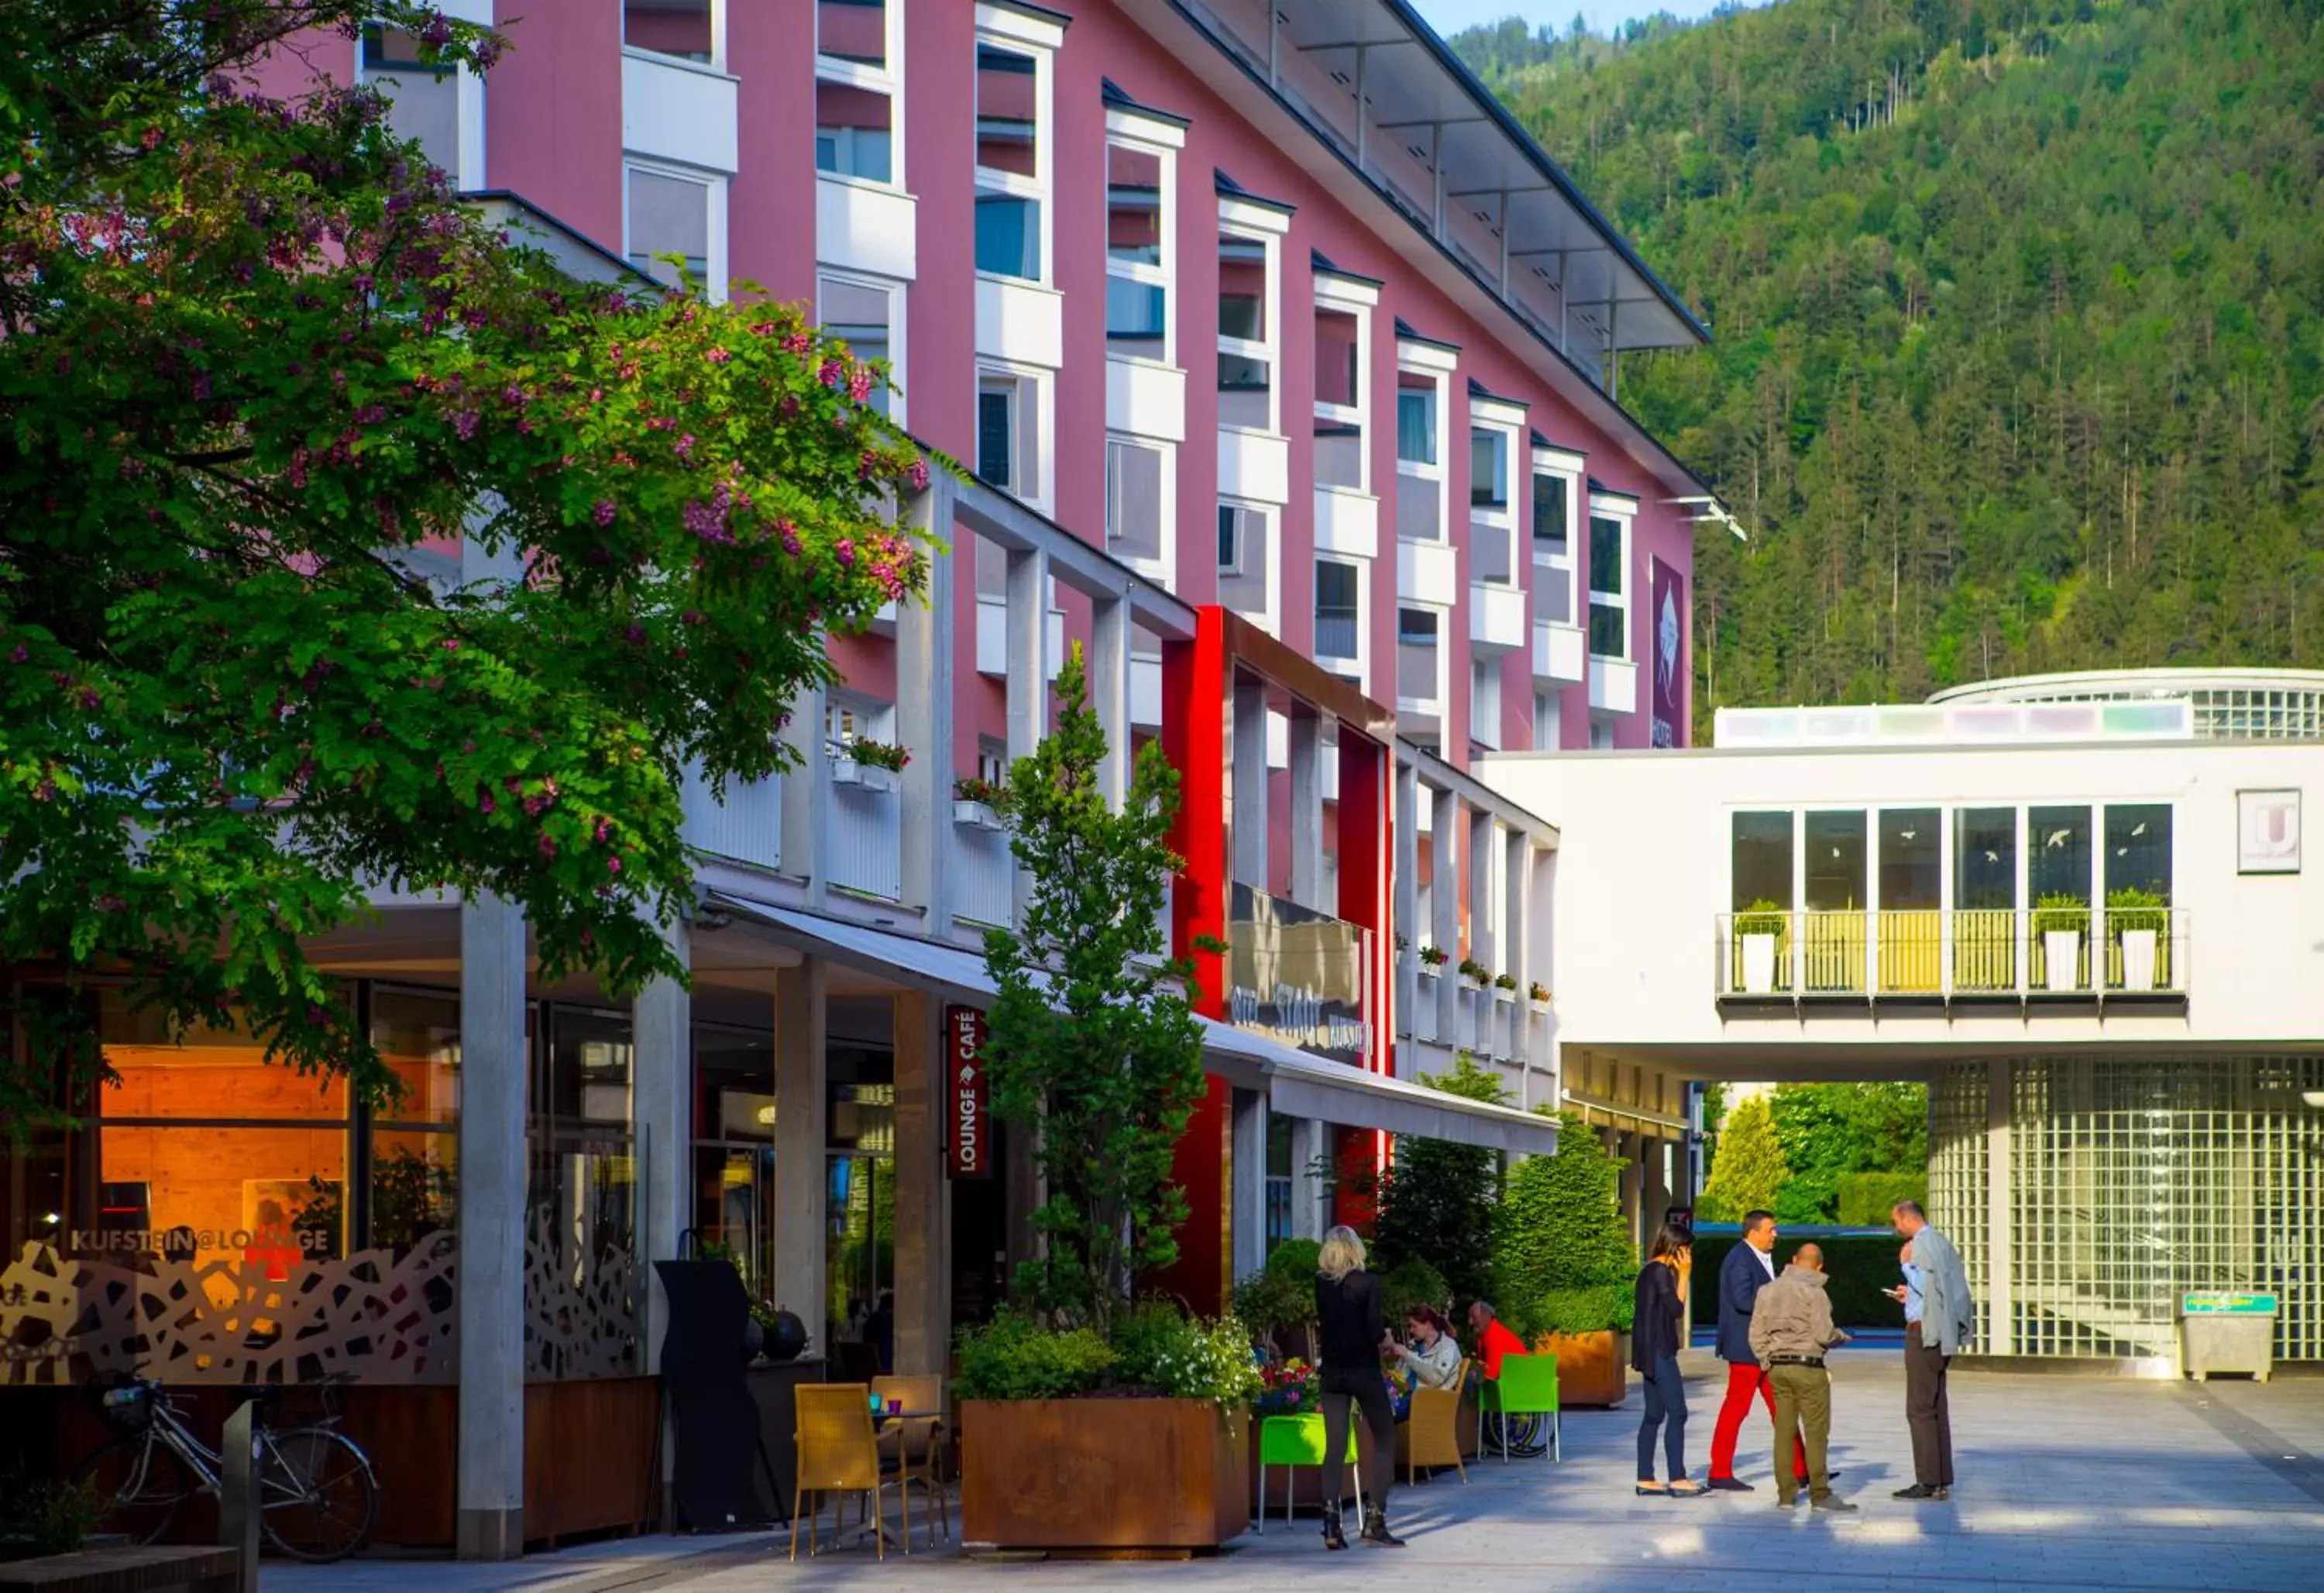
1748	1173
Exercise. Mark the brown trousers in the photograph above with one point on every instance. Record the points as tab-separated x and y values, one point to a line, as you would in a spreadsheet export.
1928	1411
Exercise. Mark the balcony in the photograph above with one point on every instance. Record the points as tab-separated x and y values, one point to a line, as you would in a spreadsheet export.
1254	465
1427	572
1558	652
992	637
680	111
1613	685
866	829
1967	956
1347	521
1497	616
983	869
746	828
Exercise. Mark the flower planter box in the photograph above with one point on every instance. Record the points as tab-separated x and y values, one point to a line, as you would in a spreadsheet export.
2061	955
1758	965
975	815
1592	1368
1104	1474
2138	960
865	776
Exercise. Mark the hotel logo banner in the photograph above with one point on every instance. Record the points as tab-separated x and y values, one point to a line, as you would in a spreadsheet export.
1299	975
971	1132
1667	594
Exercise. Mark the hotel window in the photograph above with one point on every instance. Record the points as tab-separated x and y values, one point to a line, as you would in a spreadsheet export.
1418	657
670	212
1985	860
1012	162
1137	479
858	83
2137	850
684	30
1279	1181
867	315
1342	398
1247	341
1554	498
423	101
1419	456
1760	860
1492	517
1244	558
1485	702
1141	250
1546	736
1339	615
1836	855
1609	587
2058	853
1009	432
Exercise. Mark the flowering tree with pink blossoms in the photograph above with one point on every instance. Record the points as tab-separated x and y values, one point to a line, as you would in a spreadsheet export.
260	372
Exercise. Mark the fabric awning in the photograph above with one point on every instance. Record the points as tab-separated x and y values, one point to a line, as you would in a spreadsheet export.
1294	1083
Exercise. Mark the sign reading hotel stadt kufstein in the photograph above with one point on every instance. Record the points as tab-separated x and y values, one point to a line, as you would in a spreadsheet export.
971	1132
1299	975
1667	601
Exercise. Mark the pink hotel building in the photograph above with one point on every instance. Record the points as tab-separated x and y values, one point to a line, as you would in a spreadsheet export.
1287	367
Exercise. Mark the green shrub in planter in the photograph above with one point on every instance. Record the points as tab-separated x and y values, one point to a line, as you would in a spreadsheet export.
1856	1265
2130	908
1763	917
38	1519
1606	1307
2061	912
1158	1347
1561	1226
1015	1357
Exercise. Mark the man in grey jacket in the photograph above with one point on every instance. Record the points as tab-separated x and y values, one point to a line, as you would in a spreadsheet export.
1931	1338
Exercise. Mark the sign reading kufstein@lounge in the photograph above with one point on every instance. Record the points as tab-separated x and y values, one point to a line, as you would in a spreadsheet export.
2220	1303
1299	975
970	1129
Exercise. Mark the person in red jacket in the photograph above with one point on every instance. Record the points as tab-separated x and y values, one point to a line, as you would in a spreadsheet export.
1492	1338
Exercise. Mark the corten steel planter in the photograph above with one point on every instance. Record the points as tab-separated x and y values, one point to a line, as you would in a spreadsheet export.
1124	1475
1591	1367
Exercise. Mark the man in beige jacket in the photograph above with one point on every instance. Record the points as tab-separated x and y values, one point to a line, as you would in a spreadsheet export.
1791	1329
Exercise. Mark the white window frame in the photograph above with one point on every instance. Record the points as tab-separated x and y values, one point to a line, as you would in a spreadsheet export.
1428	704
1361	662
888	80
1037	383
468	171
1573	468
1270	561
1548	720
716	63
897	298
1623	511
850	715
1248	221
1505	419
1146	137
1017	34
1164	568
1344	296
1437	364
1485	682
714	272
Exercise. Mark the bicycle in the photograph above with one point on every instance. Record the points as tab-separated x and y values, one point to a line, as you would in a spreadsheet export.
318	1496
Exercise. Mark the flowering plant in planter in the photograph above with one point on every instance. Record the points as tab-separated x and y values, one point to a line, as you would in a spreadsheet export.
1286	1389
1475	972
1538	991
877	754
1432	957
1505	981
969	788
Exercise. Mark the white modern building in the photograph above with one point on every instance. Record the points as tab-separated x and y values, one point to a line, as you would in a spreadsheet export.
2086	923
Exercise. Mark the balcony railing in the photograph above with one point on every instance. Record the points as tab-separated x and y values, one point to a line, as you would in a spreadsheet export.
1966	954
866	829
746	828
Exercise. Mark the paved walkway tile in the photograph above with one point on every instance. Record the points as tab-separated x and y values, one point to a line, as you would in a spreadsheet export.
2064	1484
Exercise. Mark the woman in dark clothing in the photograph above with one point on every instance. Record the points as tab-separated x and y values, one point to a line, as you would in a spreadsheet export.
1657	1330
1353	1337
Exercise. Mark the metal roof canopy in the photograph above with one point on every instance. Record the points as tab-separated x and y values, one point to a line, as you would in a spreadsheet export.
1411	80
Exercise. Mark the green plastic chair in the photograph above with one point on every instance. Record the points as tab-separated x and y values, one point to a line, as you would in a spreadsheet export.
1527	1387
1290	1441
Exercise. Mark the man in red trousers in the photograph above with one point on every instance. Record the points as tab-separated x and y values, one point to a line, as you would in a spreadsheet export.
1748	1268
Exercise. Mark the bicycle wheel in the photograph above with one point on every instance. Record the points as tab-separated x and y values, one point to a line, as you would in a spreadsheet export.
1528	1435
139	1482
318	1499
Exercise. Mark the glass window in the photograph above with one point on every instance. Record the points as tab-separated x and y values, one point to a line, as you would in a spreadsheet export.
1278	1179
853	31
1340	418
1246	338
1337	339
1231	539
1136	318
417	1035
1760	859
589	1067
1337	617
204	1073
1008	111
1835	862
1985	860
1416	419
669	215
858	315
423	102
669	27
415	1184
1609	631
1133	202
1008	235
2138	851
1415	627
1551	497
1133	498
1912	870
2058	855
1606	571
1006	444
1488	468
854	132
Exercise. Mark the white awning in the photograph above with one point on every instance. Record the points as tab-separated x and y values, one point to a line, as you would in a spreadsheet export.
1294	1083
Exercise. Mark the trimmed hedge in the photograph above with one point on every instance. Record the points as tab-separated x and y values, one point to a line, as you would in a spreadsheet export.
1866	1199
1859	1265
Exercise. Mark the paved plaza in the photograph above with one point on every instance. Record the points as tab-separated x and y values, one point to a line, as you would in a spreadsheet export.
2064	1483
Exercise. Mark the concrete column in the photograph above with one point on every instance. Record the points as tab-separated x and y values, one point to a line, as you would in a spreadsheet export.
1110	637
1306	754
1311	1143
1516	956
2000	1335
924	704
802	1179
1444	822
1626	1145
806	798
923	1236
1246	793
1246	1178
663	1107
1030	669
1484	899
494	1064
1405	907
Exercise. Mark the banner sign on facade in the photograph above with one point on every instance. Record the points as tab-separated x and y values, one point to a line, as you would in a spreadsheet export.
1299	975
971	1133
1667	594
2214	1303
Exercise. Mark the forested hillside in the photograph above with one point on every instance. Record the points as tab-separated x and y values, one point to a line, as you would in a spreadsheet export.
2019	322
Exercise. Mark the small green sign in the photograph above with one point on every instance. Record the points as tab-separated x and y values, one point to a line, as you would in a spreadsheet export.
2221	1304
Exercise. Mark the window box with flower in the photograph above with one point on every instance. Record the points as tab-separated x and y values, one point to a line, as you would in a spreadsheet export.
873	765
978	803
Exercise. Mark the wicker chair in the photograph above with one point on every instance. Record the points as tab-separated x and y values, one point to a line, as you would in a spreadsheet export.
837	1454
914	1449
1432	1435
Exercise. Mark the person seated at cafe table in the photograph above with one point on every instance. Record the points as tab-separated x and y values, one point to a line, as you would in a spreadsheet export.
1492	1338
1431	1356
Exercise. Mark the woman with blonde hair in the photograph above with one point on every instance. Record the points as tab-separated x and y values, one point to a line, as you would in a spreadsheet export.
1353	1338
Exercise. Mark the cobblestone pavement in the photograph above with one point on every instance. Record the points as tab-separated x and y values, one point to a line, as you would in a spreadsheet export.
2064	1483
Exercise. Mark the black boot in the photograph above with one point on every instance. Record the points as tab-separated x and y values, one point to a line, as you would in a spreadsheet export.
1376	1531
1333	1538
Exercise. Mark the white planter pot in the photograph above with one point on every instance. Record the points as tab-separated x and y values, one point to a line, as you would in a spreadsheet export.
863	776
977	815
2138	960
1758	965
2061	953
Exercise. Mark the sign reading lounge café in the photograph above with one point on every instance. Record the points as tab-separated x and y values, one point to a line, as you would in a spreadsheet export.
969	1131
1298	976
